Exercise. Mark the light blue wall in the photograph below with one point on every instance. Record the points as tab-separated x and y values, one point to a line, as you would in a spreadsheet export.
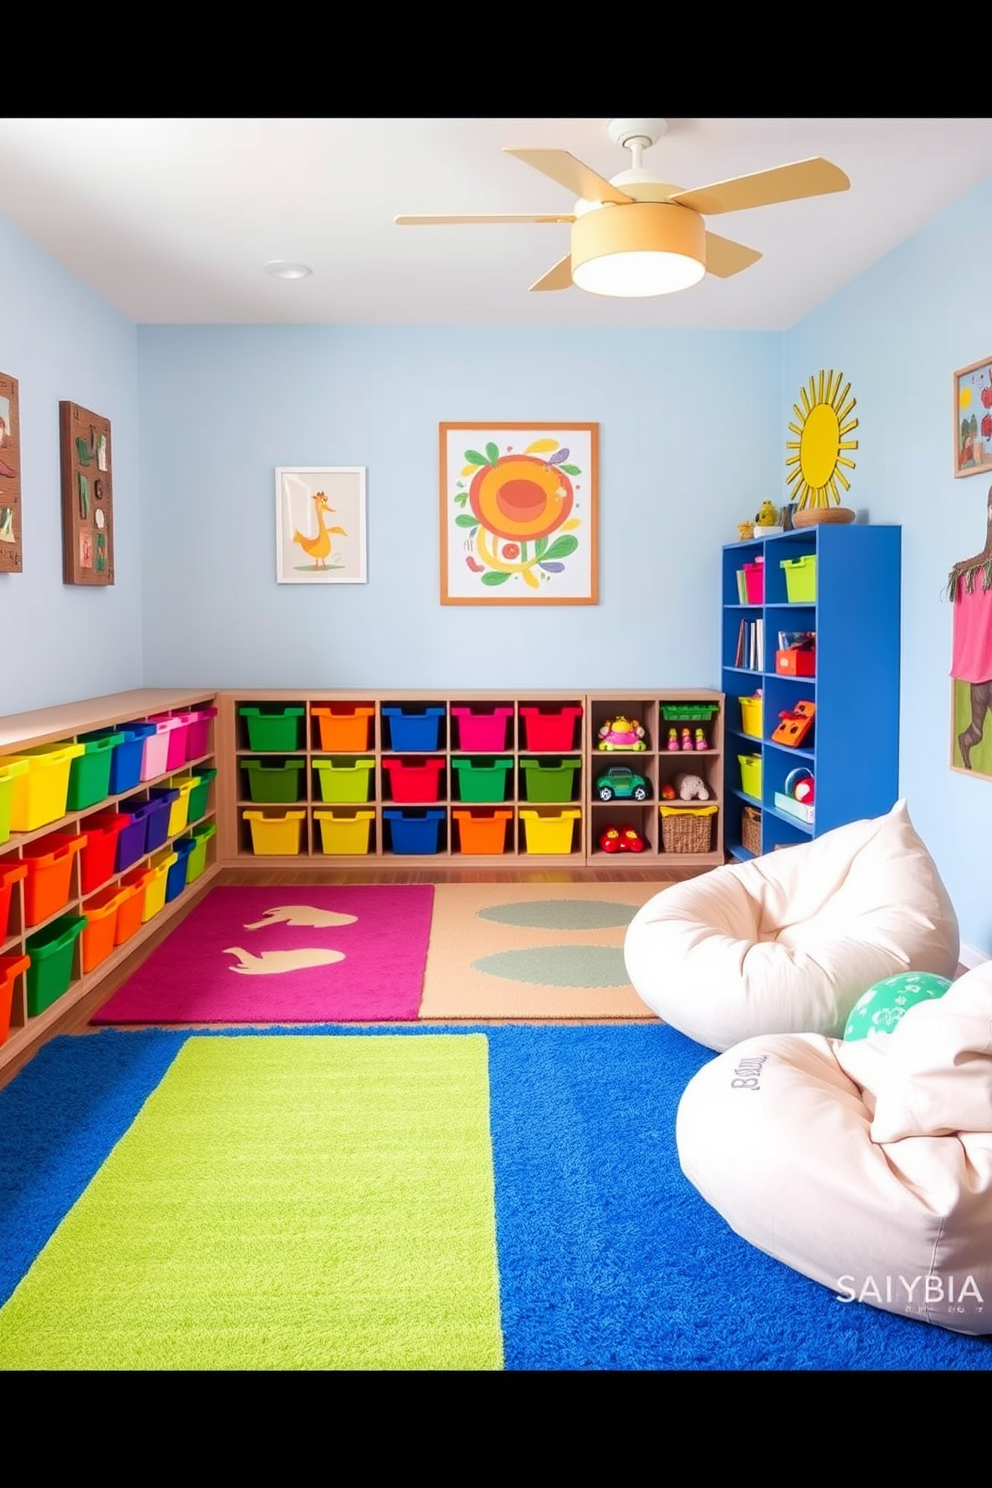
898	332
62	341
687	447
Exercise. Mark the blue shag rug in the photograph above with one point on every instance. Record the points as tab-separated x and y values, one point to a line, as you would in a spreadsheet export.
608	1258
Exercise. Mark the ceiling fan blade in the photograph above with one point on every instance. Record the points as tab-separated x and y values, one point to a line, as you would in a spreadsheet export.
559	277
724	257
816	177
484	217
580	179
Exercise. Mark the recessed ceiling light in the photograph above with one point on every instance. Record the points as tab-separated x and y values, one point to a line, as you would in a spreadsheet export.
282	268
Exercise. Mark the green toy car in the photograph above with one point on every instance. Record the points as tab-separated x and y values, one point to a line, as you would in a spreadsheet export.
621	784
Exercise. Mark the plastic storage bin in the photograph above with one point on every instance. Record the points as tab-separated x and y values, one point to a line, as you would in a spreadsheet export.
273	783
49	877
411	728
344	832
155	751
179	810
275	835
344	779
155	883
754	582
751	716
176	725
481	729
550	727
482	831
274	729
414	780
8	770
41	791
750	774
125	755
10	874
481	780
198	731
548	833
547	781
197	861
344	727
51	952
89	772
101	926
800	579
10	969
175	879
200	794
412	832
132	903
129	834
160	801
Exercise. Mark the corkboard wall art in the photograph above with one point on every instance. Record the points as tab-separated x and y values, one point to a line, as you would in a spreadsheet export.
87	497
11	556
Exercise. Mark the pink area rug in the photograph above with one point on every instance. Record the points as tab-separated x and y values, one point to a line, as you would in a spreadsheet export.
289	954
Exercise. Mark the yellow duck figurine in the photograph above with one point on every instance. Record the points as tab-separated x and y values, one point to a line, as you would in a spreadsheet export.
767	516
319	547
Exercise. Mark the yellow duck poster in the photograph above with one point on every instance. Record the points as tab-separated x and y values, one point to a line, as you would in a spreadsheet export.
320	525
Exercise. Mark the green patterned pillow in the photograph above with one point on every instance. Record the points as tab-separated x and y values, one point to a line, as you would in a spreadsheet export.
879	1010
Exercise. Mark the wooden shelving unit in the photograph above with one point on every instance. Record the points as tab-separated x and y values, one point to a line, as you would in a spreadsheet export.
24	731
574	839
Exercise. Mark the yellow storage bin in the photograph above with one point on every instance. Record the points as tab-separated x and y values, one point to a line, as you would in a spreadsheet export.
8	770
342	832
158	872
179	810
548	834
41	791
277	835
751	716
750	774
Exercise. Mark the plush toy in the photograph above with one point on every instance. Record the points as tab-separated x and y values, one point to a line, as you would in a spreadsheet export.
805	791
690	787
621	839
668	791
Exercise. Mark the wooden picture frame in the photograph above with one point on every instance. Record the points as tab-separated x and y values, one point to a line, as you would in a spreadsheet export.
11	550
321	524
519	513
973	418
87	497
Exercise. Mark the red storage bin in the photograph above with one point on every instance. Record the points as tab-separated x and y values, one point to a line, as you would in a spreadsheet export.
414	780
10	873
550	727
99	853
48	884
10	969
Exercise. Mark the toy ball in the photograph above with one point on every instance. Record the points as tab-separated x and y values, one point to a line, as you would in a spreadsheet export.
881	1009
806	791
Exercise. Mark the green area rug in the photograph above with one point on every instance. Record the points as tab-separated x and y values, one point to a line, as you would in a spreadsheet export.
282	1203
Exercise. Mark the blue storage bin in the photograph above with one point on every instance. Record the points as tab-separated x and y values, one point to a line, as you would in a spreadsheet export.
125	758
175	879
413	729
414	832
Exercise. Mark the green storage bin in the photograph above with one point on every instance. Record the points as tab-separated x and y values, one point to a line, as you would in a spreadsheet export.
482	780
8	770
199	794
274	729
51	952
197	860
344	779
89	772
800	579
545	780
269	783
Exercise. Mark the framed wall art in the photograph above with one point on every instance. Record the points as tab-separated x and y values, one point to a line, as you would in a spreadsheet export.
519	513
973	418
320	524
11	554
87	497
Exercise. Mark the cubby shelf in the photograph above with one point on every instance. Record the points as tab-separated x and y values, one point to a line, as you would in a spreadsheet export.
539	751
853	749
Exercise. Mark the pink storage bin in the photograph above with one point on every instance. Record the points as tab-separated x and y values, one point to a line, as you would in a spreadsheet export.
198	731
175	726
484	731
754	578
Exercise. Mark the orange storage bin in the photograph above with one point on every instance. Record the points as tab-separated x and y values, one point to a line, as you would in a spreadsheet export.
482	831
101	926
49	879
10	969
129	911
344	727
10	873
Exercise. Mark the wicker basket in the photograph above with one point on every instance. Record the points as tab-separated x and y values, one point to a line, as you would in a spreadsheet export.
751	830
687	831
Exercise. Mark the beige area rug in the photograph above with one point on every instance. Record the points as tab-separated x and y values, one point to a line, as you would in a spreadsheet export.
502	950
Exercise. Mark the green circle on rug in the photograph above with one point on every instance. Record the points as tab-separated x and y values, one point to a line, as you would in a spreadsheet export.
558	966
561	914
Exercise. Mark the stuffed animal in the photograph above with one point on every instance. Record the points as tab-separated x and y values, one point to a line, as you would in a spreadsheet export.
690	787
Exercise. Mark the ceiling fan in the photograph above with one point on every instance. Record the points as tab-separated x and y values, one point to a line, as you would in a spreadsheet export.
638	235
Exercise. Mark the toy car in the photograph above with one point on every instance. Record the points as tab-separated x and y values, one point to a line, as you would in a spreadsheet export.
621	839
622	784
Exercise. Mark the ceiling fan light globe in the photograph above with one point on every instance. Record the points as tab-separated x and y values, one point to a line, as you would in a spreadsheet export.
639	250
637	275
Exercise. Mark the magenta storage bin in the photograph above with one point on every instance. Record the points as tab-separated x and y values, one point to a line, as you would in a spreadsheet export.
198	731
754	578
485	732
176	726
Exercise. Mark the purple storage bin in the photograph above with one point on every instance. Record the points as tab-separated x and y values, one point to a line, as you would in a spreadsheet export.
157	819
130	841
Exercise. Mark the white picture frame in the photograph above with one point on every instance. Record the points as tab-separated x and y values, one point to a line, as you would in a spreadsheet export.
321	524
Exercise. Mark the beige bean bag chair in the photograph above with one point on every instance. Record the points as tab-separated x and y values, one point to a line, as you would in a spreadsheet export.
788	942
867	1166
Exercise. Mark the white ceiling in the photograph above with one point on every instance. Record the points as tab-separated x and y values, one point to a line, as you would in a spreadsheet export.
172	219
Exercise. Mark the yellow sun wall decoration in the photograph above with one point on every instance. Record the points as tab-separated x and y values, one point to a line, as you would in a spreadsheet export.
814	458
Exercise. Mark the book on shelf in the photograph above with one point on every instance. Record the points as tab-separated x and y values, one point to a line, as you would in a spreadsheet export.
800	638
741	586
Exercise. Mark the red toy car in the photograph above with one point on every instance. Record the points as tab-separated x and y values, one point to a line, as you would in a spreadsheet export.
621	839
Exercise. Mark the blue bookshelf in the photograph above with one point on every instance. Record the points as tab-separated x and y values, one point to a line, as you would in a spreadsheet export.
853	749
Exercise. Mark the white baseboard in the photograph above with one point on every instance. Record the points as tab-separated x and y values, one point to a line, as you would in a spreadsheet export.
970	957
